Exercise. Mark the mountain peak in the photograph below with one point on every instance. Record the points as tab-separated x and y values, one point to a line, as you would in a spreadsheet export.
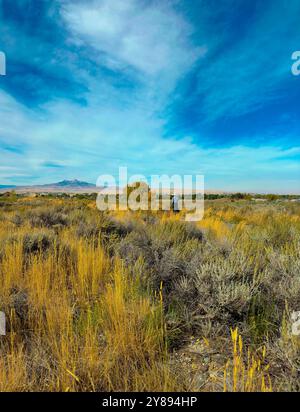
73	183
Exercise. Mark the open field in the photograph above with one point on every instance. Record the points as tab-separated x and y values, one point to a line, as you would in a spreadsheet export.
144	301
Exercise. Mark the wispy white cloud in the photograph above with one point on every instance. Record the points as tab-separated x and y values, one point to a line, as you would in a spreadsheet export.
149	37
251	72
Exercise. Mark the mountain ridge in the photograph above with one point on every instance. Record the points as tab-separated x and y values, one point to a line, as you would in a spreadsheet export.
67	186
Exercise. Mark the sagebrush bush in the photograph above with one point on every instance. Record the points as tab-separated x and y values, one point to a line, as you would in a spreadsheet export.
48	217
40	241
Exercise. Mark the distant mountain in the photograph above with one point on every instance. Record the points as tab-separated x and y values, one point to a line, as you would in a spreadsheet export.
71	183
67	186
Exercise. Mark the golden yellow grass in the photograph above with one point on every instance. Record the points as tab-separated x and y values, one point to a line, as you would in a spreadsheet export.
90	327
246	374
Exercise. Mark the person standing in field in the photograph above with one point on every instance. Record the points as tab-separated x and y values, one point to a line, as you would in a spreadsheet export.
175	203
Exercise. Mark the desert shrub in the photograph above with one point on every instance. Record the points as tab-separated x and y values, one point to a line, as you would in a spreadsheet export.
169	233
164	248
132	247
48	217
78	214
40	241
20	306
88	230
207	286
151	241
171	265
220	293
17	220
105	227
111	225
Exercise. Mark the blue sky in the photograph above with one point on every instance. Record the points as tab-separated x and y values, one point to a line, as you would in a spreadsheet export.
159	86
